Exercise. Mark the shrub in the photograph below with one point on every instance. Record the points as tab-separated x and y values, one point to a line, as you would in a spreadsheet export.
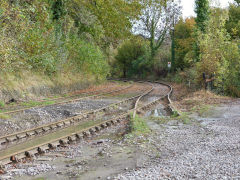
131	53
87	58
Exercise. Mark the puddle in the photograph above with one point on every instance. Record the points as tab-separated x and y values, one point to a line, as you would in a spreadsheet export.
159	111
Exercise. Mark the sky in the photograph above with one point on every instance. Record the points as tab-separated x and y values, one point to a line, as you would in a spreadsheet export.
188	6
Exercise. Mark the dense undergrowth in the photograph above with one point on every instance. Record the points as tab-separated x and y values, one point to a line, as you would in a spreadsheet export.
43	38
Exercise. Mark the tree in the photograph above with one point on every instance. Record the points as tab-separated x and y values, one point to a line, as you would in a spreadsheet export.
114	16
233	24
156	22
130	51
218	54
184	37
202	10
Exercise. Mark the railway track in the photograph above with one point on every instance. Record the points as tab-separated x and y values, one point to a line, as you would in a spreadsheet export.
70	127
59	124
72	100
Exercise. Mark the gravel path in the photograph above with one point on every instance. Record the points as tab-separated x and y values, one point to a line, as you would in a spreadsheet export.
208	148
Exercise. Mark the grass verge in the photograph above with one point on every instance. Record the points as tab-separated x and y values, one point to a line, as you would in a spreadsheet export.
139	126
36	103
2	104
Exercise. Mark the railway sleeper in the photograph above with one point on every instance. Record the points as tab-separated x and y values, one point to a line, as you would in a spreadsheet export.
5	162
59	125
112	121
63	142
86	134
91	130
54	126
21	136
20	156
71	139
53	145
32	152
3	141
47	128
103	126
31	133
28	154
43	148
13	159
68	123
108	124
97	128
39	131
12	139
77	119
78	136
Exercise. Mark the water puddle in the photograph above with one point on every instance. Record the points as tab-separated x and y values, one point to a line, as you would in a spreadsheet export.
159	111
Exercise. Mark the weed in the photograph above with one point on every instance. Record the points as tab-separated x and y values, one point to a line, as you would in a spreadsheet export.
36	103
2	104
139	126
184	118
4	116
174	114
40	178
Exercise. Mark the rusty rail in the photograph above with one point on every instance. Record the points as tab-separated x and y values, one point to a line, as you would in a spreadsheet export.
27	153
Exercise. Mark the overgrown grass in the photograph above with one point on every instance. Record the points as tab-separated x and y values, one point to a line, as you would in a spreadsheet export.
183	118
4	116
36	103
2	104
139	126
202	109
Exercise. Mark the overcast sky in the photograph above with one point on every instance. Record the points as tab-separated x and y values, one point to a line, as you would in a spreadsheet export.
188	6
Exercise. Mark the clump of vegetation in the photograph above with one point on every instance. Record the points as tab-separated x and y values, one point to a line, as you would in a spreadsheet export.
2	104
139	126
36	103
4	116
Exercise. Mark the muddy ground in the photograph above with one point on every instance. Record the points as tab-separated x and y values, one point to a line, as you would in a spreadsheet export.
202	143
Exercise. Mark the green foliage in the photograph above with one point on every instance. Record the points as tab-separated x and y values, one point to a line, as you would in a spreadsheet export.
87	58
58	10
219	55
233	23
37	103
202	10
184	37
161	60
113	16
44	36
156	21
2	104
131	55
139	126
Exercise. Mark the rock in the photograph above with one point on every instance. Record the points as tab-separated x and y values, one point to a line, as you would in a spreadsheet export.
59	172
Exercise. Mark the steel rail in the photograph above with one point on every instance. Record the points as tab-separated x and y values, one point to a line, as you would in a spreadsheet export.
71	95
61	141
58	124
68	101
37	149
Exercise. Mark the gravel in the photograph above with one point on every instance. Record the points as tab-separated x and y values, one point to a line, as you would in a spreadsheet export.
208	148
39	116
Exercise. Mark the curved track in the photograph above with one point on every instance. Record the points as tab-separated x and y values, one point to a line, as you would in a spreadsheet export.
72	133
98	93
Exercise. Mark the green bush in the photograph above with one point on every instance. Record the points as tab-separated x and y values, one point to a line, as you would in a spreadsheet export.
131	56
87	58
